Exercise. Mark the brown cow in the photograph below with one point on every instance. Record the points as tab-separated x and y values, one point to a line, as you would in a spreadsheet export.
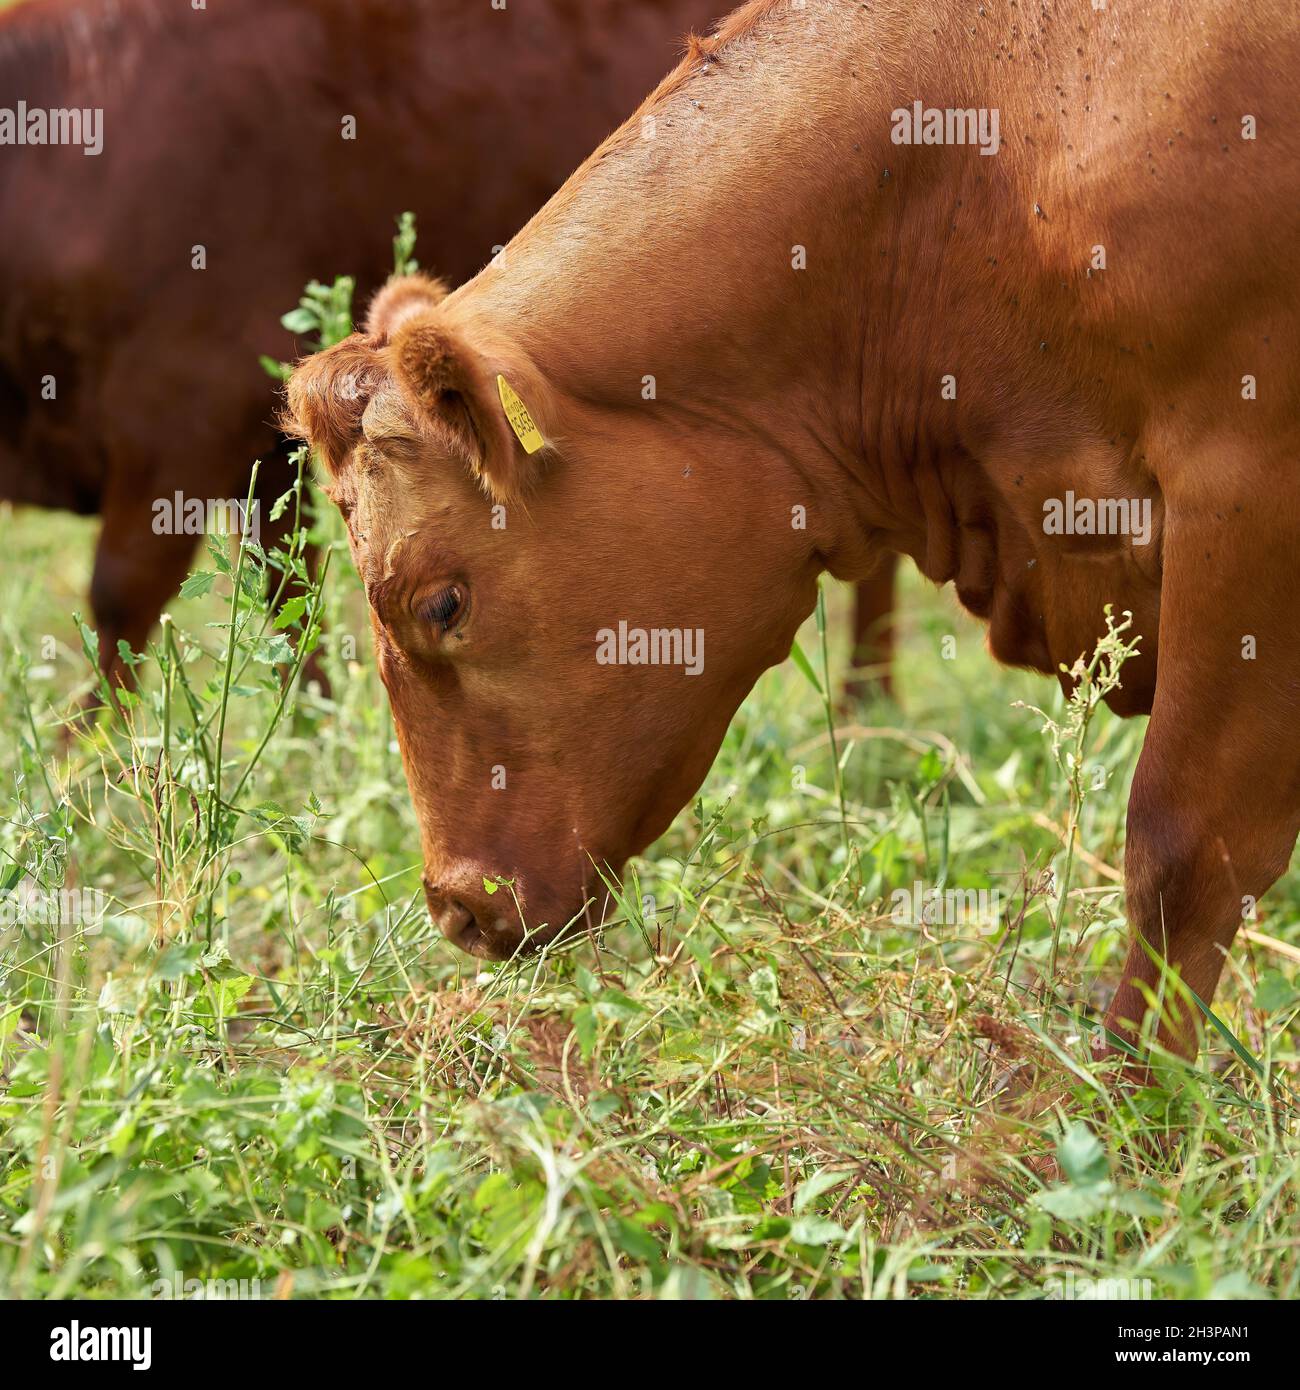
940	348
128	374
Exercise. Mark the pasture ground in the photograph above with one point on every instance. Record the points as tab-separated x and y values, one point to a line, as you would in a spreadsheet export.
264	1066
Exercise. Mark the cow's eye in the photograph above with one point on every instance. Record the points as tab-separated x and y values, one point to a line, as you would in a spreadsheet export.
444	609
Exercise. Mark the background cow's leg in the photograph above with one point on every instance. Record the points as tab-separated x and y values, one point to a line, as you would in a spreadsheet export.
135	573
872	670
1213	813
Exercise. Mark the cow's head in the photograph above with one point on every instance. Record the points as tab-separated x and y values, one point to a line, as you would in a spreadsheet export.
564	634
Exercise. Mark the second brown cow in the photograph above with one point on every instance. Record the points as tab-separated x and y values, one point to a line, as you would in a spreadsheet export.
243	150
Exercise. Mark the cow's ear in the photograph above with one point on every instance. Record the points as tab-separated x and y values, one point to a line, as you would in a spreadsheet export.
402	298
464	395
328	394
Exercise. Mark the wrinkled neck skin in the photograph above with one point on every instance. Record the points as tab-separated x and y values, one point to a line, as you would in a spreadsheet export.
947	360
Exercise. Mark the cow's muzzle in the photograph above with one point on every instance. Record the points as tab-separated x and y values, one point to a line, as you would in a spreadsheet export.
476	922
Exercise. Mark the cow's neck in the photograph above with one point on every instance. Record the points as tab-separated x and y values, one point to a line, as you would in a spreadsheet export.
755	243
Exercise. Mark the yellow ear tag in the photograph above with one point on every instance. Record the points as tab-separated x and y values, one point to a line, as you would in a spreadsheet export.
521	421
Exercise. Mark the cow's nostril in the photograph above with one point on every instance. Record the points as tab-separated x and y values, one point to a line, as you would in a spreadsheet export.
461	928
454	920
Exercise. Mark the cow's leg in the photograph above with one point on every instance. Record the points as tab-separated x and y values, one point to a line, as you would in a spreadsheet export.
135	573
1213	813
873	633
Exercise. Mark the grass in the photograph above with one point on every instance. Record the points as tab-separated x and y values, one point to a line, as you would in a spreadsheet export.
263	1065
